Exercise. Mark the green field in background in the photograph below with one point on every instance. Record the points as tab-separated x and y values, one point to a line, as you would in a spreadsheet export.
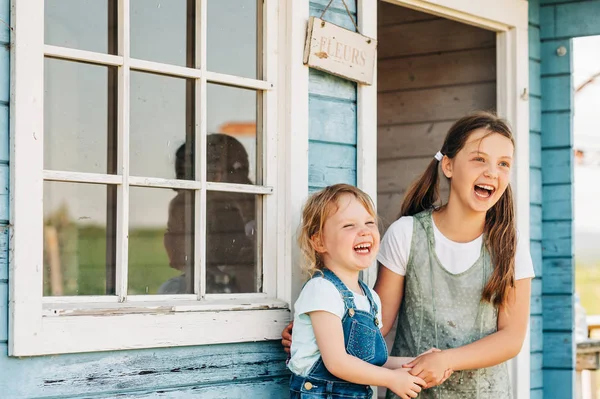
587	284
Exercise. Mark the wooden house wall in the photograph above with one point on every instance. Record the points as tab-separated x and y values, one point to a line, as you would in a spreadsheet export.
431	71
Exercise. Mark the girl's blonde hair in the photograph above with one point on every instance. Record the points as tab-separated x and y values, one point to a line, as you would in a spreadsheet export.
500	231
318	208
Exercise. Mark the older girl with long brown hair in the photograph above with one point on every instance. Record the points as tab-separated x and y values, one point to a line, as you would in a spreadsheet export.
456	275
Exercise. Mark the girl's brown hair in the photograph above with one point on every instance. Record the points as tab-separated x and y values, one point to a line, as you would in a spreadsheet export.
317	209
500	234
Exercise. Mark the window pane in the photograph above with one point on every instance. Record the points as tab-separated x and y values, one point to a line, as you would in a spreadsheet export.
232	243
82	24
79	117
163	31
161	241
232	140
162	118
79	257
232	37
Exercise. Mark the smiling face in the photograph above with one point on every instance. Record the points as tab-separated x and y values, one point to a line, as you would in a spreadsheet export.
480	171
350	237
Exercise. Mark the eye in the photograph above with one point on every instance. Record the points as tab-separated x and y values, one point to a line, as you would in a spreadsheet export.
348	225
478	159
505	164
371	222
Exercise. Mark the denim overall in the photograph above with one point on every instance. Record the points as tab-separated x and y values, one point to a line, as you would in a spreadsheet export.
445	310
363	340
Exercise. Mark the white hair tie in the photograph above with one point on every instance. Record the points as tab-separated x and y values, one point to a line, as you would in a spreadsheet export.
439	156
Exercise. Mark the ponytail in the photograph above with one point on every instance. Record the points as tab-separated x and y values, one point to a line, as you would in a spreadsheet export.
423	194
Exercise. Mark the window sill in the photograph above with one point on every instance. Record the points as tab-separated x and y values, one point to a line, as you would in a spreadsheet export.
73	328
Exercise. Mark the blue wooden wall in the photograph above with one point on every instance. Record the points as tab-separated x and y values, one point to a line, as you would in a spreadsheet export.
332	114
253	370
555	22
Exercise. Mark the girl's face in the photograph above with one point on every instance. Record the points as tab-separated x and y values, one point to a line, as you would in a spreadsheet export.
350	237
480	172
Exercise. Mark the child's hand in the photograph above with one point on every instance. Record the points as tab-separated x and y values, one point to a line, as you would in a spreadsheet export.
286	337
430	351
405	385
432	367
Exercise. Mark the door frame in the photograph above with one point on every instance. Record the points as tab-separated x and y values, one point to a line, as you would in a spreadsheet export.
509	19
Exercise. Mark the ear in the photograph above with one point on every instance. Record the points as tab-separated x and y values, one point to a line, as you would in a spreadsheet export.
447	167
317	243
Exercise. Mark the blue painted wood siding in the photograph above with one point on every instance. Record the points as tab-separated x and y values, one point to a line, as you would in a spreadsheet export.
252	370
553	23
332	114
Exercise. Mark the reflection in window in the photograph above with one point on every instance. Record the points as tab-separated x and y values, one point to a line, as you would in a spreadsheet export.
77	245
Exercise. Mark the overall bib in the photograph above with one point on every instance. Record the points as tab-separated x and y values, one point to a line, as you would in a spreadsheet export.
445	310
362	339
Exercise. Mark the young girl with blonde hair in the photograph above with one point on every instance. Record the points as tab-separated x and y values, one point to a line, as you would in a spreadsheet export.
338	350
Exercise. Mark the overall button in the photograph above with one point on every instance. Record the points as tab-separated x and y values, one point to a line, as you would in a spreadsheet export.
308	386
351	312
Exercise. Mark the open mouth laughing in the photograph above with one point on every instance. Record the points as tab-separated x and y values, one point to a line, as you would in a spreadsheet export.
484	190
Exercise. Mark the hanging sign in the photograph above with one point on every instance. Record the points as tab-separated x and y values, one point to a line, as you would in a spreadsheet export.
339	51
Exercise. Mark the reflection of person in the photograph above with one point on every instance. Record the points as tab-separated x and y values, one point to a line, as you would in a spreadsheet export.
457	277
230	222
338	349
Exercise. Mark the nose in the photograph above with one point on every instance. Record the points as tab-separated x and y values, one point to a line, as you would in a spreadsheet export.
364	231
491	172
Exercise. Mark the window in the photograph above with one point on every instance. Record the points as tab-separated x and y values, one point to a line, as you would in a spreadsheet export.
143	175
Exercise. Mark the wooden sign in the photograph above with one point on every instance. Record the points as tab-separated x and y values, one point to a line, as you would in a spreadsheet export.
339	51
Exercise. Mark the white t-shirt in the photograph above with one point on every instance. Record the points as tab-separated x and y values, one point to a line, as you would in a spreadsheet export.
319	294
455	257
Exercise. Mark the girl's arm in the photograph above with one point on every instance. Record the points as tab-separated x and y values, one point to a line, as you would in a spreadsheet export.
390	288
330	339
395	362
497	347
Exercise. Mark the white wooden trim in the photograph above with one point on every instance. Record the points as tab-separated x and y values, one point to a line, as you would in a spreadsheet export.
512	91
488	14
200	149
26	180
81	177
157	67
82	55
294	122
214	77
72	334
366	156
239	188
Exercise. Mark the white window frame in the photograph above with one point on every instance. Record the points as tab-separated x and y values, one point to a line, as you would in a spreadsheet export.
46	325
509	18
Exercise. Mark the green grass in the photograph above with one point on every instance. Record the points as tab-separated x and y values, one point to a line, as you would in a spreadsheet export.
587	284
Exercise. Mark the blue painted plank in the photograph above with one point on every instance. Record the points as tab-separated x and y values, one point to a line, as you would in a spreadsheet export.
556	166
559	350
558	202
4	21
324	84
547	18
269	389
4	131
557	93
331	121
335	16
142	370
3	252
535	247
558	239
336	5
331	164
578	19
535	114
3	312
536	379
535	83
4	184
559	384
560	311
534	12
557	129
536	394
535	181
536	333
535	222
559	276
536	297
4	74
546	2
552	63
535	150
534	43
